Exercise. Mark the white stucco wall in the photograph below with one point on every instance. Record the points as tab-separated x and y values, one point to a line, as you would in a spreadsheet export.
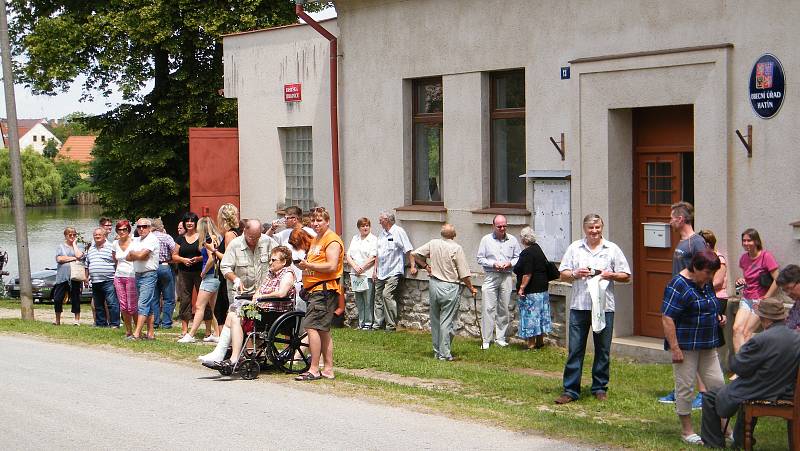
385	44
257	65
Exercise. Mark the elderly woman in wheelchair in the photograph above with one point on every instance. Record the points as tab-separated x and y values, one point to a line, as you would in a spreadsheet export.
276	293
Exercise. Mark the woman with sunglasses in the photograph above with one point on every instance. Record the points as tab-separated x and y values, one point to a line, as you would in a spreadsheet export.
209	240
125	277
69	251
278	284
190	263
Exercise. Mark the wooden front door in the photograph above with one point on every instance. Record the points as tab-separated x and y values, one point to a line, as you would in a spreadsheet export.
663	175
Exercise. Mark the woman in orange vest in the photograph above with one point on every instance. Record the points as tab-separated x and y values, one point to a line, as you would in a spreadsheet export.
322	270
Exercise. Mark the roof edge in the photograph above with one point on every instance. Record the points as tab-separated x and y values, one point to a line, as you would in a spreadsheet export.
261	30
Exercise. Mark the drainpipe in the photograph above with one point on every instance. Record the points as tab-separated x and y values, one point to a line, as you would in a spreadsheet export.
337	200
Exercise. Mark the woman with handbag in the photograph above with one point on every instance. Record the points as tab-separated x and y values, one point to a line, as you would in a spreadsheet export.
70	276
533	274
759	270
361	257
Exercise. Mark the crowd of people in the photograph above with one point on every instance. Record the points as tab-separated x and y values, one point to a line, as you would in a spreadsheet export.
131	277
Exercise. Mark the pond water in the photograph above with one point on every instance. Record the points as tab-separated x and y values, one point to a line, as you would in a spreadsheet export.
45	232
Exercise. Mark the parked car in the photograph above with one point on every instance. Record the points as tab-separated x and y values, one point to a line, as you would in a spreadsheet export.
43	282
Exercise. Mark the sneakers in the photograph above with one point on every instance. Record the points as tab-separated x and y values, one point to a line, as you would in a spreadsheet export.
446	359
501	343
697	403
187	339
485	345
669	398
211	339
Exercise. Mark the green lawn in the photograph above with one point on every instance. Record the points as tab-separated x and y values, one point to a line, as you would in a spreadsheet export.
509	387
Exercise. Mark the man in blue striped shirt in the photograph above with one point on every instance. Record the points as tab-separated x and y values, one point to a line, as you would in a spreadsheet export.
100	266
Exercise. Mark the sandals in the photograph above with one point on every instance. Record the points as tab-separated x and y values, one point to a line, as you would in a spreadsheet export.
305	377
693	439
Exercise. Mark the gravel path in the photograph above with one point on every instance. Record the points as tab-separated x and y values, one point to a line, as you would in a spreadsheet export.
61	396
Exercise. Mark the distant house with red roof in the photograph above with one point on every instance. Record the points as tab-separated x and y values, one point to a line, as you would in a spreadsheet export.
78	148
32	132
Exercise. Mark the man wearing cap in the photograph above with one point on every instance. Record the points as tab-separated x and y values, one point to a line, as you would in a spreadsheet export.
789	281
767	369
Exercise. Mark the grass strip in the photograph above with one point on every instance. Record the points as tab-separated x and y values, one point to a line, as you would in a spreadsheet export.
504	386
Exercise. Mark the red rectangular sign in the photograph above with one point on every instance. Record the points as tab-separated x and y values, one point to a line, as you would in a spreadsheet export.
291	92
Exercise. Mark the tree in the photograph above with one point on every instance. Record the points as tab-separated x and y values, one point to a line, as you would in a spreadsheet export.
50	149
42	181
141	154
73	124
70	172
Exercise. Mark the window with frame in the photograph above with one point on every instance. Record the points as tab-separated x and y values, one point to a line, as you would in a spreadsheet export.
298	167
507	116
427	141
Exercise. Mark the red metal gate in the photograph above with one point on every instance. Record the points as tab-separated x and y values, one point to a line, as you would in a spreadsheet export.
213	169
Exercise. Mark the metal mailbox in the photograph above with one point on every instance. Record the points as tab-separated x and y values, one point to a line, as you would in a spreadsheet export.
656	234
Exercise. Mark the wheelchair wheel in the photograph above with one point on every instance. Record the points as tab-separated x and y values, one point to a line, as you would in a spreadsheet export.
226	370
249	369
288	343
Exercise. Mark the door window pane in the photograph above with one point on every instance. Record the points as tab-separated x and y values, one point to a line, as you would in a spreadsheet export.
659	183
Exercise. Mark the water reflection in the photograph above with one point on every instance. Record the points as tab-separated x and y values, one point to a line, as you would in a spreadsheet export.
45	232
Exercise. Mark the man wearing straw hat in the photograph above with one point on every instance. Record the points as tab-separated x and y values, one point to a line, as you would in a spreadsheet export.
767	369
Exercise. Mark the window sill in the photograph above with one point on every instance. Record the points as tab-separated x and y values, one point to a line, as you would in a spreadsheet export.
515	216
422	213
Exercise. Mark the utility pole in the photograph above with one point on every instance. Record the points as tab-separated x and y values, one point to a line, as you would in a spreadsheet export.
17	191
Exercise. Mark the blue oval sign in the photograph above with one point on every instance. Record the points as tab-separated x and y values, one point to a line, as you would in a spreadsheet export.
767	86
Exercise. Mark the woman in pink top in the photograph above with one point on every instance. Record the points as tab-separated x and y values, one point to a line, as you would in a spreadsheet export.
754	262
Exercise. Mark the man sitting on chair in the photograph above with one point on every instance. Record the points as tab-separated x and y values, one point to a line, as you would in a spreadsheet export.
767	369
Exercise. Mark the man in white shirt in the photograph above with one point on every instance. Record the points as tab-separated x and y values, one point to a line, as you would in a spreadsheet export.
144	255
393	246
498	252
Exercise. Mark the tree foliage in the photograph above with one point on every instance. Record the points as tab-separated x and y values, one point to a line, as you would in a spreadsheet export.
73	124
141	155
42	182
70	171
50	149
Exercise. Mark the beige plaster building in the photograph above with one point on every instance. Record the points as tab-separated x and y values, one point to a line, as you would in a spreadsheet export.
444	105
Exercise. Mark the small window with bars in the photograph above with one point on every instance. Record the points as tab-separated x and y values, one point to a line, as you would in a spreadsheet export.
297	164
659	183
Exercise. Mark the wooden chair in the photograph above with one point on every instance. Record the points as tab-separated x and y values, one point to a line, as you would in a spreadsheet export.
790	410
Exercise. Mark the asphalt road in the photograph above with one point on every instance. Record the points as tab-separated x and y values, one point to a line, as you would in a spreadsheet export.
66	397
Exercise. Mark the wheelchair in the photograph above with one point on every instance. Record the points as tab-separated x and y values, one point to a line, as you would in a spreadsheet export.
275	339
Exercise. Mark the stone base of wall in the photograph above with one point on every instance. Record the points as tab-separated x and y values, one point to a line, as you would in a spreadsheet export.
413	311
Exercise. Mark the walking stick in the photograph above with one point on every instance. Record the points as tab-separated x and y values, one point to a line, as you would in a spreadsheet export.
477	323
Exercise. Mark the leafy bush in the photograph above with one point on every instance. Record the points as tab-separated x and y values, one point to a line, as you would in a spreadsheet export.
70	175
41	180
